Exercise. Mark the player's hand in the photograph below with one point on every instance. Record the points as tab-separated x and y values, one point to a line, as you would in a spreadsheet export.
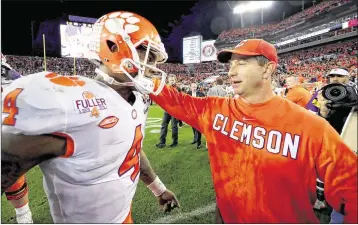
168	201
322	103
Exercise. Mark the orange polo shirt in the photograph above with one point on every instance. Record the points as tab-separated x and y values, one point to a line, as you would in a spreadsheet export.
265	157
299	95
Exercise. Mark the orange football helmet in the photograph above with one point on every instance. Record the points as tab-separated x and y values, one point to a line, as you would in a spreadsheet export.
117	36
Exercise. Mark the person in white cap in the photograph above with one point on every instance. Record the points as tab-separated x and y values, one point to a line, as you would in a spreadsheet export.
265	151
338	76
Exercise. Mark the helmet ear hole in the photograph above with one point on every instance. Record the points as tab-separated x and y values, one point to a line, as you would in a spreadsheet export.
112	46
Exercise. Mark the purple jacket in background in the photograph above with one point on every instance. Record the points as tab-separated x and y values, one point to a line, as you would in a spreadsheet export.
310	105
13	74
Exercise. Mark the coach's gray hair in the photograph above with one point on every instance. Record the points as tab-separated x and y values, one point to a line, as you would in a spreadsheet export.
262	60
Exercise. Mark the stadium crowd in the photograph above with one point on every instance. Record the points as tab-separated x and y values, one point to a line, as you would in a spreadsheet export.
315	62
65	66
309	64
257	30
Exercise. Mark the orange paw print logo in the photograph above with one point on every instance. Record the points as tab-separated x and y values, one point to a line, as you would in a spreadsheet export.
88	95
69	81
117	21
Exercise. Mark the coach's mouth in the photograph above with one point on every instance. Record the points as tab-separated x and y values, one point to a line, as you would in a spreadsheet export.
236	82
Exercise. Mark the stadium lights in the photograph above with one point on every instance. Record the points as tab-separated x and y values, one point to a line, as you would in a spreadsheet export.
252	6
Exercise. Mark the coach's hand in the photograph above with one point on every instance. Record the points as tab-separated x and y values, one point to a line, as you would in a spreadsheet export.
168	201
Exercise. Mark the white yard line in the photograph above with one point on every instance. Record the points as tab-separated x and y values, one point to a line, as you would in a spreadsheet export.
182	216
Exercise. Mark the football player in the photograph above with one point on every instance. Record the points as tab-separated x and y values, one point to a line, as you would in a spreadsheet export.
87	134
17	194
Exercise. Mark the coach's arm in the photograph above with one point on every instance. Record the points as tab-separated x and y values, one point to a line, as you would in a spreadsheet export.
182	106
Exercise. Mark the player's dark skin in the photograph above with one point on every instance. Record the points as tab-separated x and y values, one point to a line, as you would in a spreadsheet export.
20	153
218	218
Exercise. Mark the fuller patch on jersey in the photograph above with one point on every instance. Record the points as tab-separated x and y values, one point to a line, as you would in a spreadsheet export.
90	104
108	122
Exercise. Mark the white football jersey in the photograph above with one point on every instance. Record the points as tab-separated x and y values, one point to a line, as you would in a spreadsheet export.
95	181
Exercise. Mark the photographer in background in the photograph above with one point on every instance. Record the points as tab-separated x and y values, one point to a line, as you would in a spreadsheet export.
334	103
335	100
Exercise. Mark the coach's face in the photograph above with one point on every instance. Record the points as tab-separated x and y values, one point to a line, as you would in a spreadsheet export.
246	75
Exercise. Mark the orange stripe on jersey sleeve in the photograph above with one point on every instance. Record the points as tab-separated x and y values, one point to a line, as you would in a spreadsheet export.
128	219
17	185
70	144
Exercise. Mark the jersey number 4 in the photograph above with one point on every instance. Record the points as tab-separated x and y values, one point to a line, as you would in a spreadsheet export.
10	107
132	157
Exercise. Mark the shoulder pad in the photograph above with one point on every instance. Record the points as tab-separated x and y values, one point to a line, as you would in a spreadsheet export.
31	107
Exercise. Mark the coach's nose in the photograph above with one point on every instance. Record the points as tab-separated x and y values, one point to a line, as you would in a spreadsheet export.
231	73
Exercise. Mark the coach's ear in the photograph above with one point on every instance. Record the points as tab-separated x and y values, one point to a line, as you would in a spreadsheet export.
270	69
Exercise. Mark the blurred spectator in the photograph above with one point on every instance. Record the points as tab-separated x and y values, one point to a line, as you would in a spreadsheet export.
296	93
196	93
166	118
218	89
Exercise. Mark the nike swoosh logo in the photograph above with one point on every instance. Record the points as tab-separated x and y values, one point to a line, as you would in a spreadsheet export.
247	119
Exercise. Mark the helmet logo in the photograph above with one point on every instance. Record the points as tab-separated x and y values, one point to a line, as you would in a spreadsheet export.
119	22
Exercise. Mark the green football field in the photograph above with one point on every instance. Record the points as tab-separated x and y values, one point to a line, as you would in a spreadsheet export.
184	170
